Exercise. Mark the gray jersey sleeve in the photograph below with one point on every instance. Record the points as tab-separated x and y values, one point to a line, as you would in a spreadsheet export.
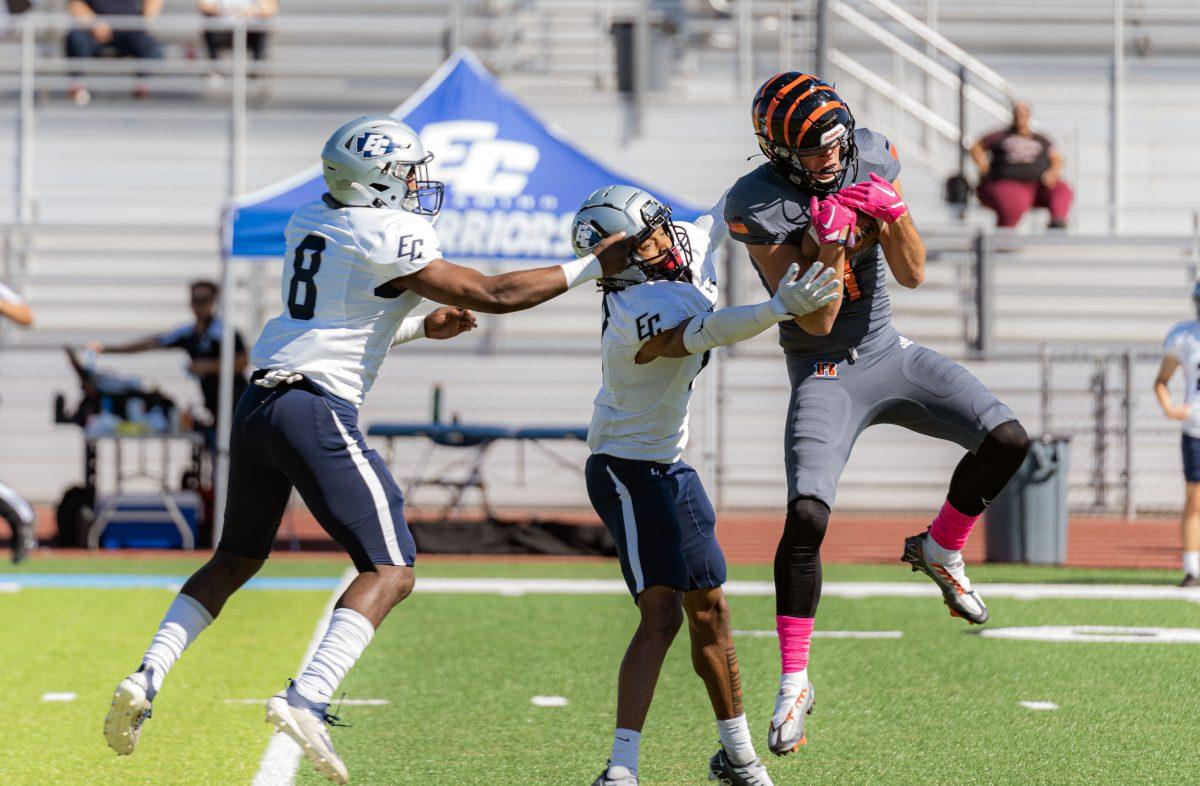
876	154
763	210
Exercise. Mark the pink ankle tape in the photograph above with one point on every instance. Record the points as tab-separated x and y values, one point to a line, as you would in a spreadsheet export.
950	529
795	634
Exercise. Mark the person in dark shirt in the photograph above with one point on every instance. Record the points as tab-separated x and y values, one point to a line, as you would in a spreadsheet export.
202	341
1020	169
93	35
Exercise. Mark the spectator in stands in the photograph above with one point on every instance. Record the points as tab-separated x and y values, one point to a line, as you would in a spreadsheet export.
94	37
1020	169
13	507
218	41
201	339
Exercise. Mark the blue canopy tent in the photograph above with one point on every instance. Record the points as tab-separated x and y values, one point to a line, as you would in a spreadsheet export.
512	188
512	183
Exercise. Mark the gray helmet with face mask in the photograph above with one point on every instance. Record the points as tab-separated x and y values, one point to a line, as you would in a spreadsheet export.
630	210
377	161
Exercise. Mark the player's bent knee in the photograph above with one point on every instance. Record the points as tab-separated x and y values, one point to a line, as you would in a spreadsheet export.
807	521
1008	443
397	581
662	612
227	568
709	619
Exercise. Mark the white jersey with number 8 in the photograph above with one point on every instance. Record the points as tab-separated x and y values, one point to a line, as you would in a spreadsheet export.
339	317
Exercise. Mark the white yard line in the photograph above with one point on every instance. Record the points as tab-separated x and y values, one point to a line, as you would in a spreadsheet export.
837	589
282	756
62	696
1038	705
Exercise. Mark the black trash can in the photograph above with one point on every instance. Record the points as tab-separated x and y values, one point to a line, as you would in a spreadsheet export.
1027	522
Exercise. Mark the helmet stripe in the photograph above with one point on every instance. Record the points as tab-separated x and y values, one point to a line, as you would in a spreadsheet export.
784	91
763	91
788	118
815	116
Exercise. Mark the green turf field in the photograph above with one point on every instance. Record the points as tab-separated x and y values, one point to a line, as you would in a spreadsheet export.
937	705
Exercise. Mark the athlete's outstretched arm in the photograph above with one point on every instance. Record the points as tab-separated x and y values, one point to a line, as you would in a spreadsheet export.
903	248
455	285
773	261
794	296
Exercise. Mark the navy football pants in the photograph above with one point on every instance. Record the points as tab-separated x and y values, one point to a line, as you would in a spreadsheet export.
298	436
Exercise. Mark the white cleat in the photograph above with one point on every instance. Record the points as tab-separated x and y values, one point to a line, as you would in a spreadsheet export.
793	705
130	709
310	733
722	769
616	776
950	577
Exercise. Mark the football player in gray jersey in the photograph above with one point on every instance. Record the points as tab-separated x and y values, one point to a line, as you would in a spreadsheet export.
827	184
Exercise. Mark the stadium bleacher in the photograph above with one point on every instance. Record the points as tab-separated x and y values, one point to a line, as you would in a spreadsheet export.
127	200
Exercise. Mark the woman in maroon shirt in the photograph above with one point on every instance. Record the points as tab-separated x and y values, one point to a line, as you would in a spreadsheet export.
1019	170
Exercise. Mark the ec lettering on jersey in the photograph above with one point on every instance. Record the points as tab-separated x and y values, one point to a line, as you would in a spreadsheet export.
648	326
410	247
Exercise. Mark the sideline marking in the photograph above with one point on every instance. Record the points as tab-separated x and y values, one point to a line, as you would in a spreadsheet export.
151	581
1038	705
282	756
1104	634
64	696
516	587
549	701
826	634
10	586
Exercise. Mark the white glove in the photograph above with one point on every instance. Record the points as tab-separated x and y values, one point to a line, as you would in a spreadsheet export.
811	292
278	376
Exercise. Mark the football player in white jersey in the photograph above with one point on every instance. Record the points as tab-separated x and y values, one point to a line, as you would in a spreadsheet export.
358	261
1182	350
659	326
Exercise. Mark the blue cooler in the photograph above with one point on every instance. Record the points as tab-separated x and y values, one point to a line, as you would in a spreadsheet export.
142	521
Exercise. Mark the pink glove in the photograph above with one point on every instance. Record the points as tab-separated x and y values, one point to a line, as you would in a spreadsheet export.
829	219
877	199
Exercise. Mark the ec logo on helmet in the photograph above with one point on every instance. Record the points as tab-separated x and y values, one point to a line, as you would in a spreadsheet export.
585	235
371	144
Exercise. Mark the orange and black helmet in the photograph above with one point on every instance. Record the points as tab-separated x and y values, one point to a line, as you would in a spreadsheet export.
797	115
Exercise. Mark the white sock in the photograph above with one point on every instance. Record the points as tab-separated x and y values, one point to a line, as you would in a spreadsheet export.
348	635
735	737
1191	563
183	622
935	552
795	680
626	746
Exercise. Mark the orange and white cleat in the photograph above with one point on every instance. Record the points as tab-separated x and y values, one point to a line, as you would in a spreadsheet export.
793	705
950	577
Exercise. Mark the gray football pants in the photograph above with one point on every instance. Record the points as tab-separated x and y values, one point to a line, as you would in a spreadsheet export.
835	396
